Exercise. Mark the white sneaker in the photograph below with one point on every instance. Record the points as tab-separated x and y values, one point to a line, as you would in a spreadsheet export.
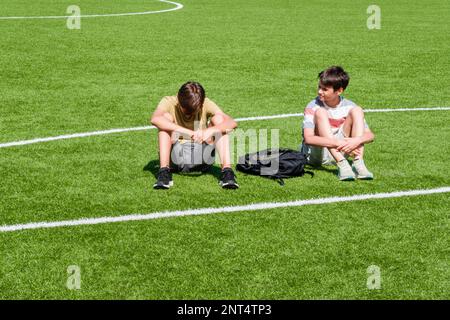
345	172
361	171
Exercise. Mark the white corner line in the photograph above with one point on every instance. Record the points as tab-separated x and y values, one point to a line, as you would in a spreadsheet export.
178	6
143	128
206	211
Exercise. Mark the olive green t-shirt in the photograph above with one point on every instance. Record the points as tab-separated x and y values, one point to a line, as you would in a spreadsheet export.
198	120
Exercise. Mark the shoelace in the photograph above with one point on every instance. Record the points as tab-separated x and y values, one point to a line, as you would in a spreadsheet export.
228	175
164	175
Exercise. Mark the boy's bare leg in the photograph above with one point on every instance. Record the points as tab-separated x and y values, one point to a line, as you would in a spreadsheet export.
324	130
164	178
222	143
354	127
345	172
165	145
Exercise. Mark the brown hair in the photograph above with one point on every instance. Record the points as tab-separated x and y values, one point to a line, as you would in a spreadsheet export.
191	97
334	76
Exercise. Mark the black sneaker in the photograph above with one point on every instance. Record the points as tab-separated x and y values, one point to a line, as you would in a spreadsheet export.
228	180
164	179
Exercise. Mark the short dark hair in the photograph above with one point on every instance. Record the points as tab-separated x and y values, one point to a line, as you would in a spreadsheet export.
191	97
335	77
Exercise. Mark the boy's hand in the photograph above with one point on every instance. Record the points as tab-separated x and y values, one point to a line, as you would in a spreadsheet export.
182	132
339	144
350	144
205	135
198	136
357	152
208	134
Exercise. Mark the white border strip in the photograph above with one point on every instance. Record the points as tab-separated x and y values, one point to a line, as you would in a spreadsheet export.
205	211
120	130
178	6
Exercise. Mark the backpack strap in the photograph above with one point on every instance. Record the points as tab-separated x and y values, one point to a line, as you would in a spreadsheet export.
278	179
310	173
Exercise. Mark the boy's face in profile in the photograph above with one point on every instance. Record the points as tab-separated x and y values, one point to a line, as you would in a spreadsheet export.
328	95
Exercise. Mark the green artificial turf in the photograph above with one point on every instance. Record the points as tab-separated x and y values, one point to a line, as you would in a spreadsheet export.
254	58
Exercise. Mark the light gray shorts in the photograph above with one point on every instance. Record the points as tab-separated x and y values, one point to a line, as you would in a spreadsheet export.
317	156
190	156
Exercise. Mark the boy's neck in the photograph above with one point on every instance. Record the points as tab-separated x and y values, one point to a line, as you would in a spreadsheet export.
334	103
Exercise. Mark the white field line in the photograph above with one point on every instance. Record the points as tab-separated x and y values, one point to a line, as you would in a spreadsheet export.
205	211
72	136
120	130
178	6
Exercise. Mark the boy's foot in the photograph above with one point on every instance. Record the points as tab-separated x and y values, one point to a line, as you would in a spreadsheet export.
345	172
228	180
361	171
164	179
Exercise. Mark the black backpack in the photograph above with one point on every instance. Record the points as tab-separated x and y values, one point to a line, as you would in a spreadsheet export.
274	163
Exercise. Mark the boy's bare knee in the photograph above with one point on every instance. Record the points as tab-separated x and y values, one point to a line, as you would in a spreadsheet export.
320	115
356	111
217	119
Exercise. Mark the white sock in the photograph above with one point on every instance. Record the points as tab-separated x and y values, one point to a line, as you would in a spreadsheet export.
342	163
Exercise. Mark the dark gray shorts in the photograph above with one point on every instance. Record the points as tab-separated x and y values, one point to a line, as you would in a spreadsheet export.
191	156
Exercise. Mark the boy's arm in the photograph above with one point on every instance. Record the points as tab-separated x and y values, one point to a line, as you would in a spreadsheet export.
355	142
224	123
312	139
162	123
367	137
221	122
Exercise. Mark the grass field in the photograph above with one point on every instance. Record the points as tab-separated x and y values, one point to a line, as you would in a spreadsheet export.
255	58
